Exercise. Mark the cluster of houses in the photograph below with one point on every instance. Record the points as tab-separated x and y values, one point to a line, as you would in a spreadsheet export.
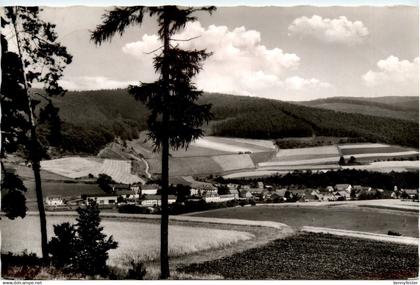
147	195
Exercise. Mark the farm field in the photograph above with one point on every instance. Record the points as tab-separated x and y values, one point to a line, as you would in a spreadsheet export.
316	256
203	165
182	239
326	158
333	216
251	174
186	166
387	166
63	189
77	167
366	150
26	173
314	161
206	146
320	150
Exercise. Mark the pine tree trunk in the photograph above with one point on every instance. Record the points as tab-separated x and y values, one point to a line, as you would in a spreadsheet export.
40	201
164	258
33	156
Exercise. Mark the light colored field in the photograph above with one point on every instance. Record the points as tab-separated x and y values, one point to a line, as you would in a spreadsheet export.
364	235
234	162
321	150
262	143
321	167
314	161
387	166
362	145
72	167
119	170
383	155
194	150
217	145
257	173
136	239
206	146
76	167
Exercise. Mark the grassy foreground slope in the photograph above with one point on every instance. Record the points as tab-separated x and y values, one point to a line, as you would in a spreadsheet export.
92	119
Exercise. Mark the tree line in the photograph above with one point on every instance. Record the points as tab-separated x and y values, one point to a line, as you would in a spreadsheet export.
386	181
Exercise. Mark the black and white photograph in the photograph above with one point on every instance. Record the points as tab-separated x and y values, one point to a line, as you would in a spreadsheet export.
210	140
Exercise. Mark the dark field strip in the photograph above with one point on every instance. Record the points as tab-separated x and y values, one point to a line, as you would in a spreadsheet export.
62	189
373	150
316	256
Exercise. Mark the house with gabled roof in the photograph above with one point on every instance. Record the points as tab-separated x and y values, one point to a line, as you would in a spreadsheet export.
245	194
343	187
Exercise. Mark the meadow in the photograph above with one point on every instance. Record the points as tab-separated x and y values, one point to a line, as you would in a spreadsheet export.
333	216
137	240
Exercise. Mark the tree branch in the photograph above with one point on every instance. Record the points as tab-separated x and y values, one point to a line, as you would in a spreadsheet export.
154	50
186	40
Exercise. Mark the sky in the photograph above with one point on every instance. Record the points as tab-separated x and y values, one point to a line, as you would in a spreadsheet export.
285	53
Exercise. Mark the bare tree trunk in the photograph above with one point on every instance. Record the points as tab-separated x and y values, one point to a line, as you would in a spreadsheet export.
164	257
40	201
33	156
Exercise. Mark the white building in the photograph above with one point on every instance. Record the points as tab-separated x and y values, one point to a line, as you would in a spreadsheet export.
156	200
103	199
54	201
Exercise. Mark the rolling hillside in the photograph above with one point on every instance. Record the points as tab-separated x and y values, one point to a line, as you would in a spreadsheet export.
91	119
405	108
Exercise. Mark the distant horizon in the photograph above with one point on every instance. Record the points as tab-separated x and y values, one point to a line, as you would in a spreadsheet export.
220	3
250	96
298	53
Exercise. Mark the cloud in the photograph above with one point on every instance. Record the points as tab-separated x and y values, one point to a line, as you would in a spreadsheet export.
93	83
393	71
240	63
299	83
339	30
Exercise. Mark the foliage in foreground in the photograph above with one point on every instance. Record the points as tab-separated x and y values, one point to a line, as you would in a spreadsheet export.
317	256
29	266
82	247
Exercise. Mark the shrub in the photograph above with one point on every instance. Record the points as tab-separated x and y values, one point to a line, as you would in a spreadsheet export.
232	203
82	248
137	271
63	246
252	203
392	233
243	203
104	182
92	250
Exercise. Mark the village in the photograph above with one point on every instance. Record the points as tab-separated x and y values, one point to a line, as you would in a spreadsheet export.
188	190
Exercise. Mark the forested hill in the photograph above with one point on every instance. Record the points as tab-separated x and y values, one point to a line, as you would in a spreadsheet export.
263	118
398	107
93	118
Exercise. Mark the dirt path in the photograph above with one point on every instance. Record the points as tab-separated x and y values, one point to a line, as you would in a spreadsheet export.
364	235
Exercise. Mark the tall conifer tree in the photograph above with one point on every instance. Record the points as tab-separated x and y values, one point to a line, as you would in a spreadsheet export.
175	118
